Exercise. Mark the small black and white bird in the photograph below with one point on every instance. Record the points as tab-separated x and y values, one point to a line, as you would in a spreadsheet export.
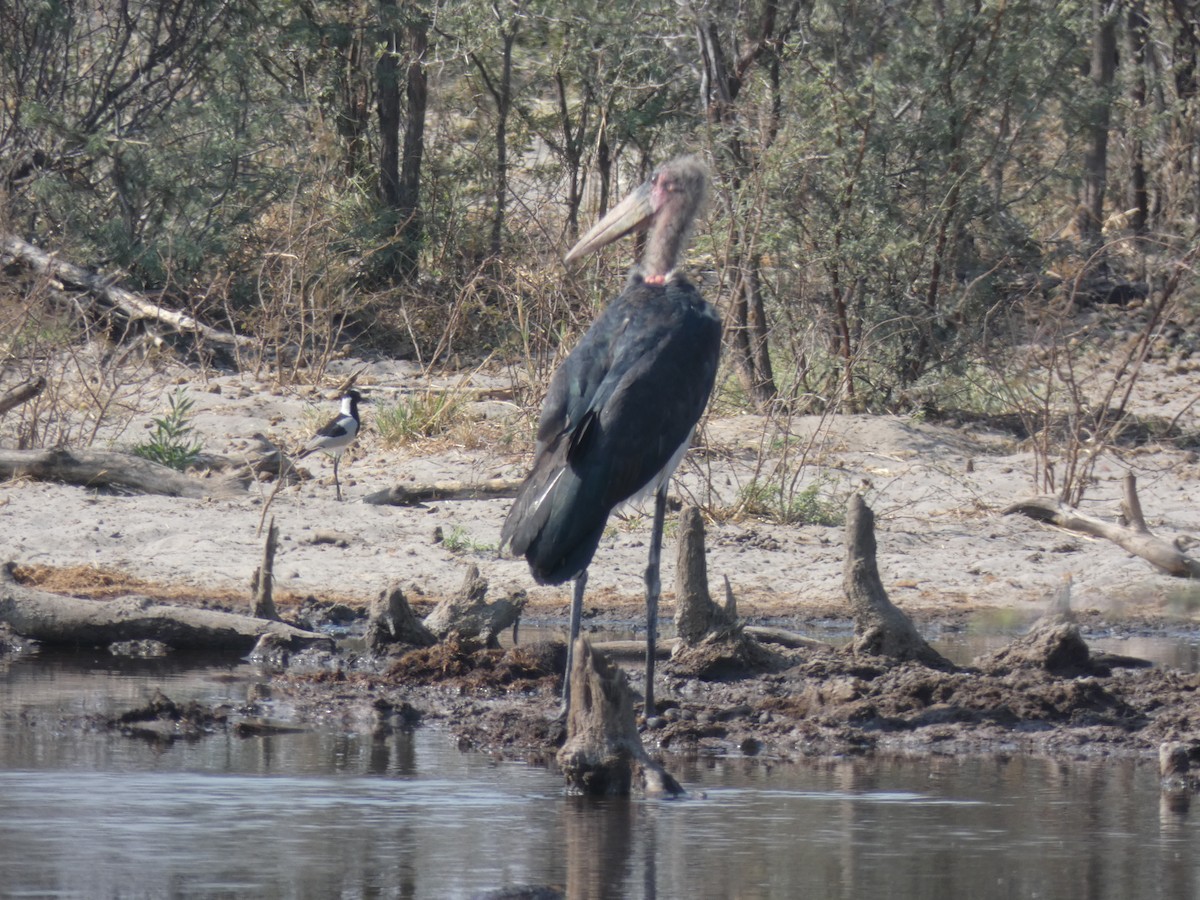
336	435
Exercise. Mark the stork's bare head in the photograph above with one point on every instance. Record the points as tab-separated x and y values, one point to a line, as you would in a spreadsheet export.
667	204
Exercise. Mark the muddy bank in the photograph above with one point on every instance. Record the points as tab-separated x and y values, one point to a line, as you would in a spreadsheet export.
813	702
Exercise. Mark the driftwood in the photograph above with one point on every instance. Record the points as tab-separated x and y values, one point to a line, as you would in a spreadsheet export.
391	623
603	754
470	617
57	619
132	306
765	634
635	651
880	627
109	468
416	494
1134	537
262	584
22	393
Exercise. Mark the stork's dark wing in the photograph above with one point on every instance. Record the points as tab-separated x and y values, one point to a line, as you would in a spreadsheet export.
617	411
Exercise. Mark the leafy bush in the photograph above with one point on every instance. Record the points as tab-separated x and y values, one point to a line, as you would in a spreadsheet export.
169	442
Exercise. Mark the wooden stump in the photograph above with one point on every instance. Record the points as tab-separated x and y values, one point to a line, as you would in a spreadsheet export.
712	645
880	628
468	616
262	583
392	623
695	612
603	754
1055	645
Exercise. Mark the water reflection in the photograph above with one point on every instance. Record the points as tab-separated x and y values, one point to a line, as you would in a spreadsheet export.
84	813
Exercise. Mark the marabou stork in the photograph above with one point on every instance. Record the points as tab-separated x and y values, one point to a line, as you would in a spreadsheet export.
336	435
620	410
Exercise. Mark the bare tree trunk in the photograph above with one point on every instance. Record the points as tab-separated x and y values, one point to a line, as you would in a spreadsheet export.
1135	538
354	115
1138	194
56	619
416	494
109	468
501	90
1090	218
400	159
412	224
721	80
22	393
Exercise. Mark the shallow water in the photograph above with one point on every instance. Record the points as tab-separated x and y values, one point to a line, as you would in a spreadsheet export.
86	813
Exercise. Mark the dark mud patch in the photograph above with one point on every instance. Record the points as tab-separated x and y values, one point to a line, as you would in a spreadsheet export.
162	720
807	703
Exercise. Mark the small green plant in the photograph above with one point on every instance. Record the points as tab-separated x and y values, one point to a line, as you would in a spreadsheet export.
459	541
170	442
416	417
803	507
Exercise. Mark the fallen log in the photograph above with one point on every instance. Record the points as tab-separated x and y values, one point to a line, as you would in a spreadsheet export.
1135	537
57	619
109	468
880	627
765	634
416	494
603	753
134	306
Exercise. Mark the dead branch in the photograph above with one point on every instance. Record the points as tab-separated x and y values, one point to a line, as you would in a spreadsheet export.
1137	539
57	619
108	468
416	494
134	306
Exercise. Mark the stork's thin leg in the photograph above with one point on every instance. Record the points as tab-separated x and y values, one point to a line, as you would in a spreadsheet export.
337	484
576	616
653	589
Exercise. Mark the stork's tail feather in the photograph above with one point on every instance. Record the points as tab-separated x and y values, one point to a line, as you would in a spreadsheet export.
554	522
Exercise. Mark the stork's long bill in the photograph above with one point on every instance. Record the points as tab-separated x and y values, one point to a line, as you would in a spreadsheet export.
631	214
667	204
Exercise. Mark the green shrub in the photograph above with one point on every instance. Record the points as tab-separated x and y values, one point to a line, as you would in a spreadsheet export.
170	443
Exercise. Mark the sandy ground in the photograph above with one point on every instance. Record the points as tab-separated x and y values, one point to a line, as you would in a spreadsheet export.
945	549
